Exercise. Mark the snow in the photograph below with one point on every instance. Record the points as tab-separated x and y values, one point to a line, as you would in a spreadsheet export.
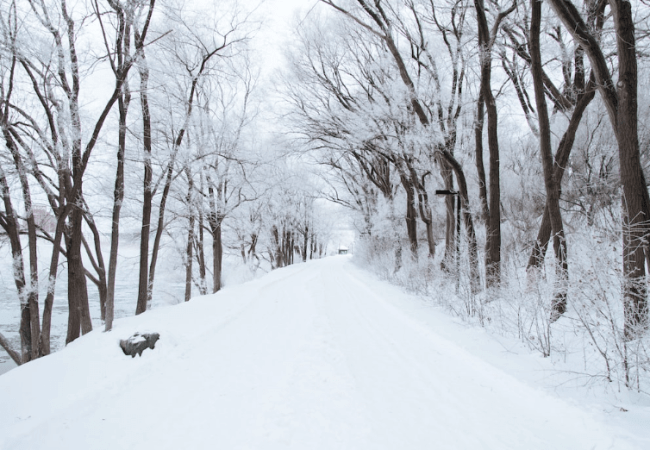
320	355
169	289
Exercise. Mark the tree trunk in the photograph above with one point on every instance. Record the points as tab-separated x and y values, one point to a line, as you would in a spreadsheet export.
15	356
99	266
621	103
32	297
552	186
118	198
156	242
538	252
143	278
425	210
201	256
10	225
305	244
252	250
411	215
493	220
430	238
286	243
189	257
242	251
103	297
480	167
474	274
178	141
636	201
450	218
217	255
78	311
278	249
30	317
123	44
51	285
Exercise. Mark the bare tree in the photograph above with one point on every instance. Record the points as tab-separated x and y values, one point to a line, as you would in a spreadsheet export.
550	181
621	101
491	206
197	60
56	131
126	15
381	26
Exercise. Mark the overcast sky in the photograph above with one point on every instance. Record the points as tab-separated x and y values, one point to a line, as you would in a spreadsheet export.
280	16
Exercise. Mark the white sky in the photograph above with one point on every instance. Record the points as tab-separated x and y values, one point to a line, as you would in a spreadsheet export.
280	16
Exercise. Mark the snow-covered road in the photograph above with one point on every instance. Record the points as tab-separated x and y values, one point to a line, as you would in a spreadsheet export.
314	356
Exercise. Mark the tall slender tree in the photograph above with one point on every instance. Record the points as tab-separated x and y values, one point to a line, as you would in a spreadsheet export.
621	101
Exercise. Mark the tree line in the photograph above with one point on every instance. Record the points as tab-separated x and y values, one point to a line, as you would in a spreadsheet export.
147	105
398	99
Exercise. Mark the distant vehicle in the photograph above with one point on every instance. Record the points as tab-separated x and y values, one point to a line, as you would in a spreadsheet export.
343	250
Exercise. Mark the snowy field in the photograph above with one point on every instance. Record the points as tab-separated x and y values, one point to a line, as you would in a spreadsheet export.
320	355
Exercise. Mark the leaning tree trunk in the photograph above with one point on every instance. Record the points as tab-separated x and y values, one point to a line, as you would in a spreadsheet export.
14	355
621	103
538	252
156	241
559	304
